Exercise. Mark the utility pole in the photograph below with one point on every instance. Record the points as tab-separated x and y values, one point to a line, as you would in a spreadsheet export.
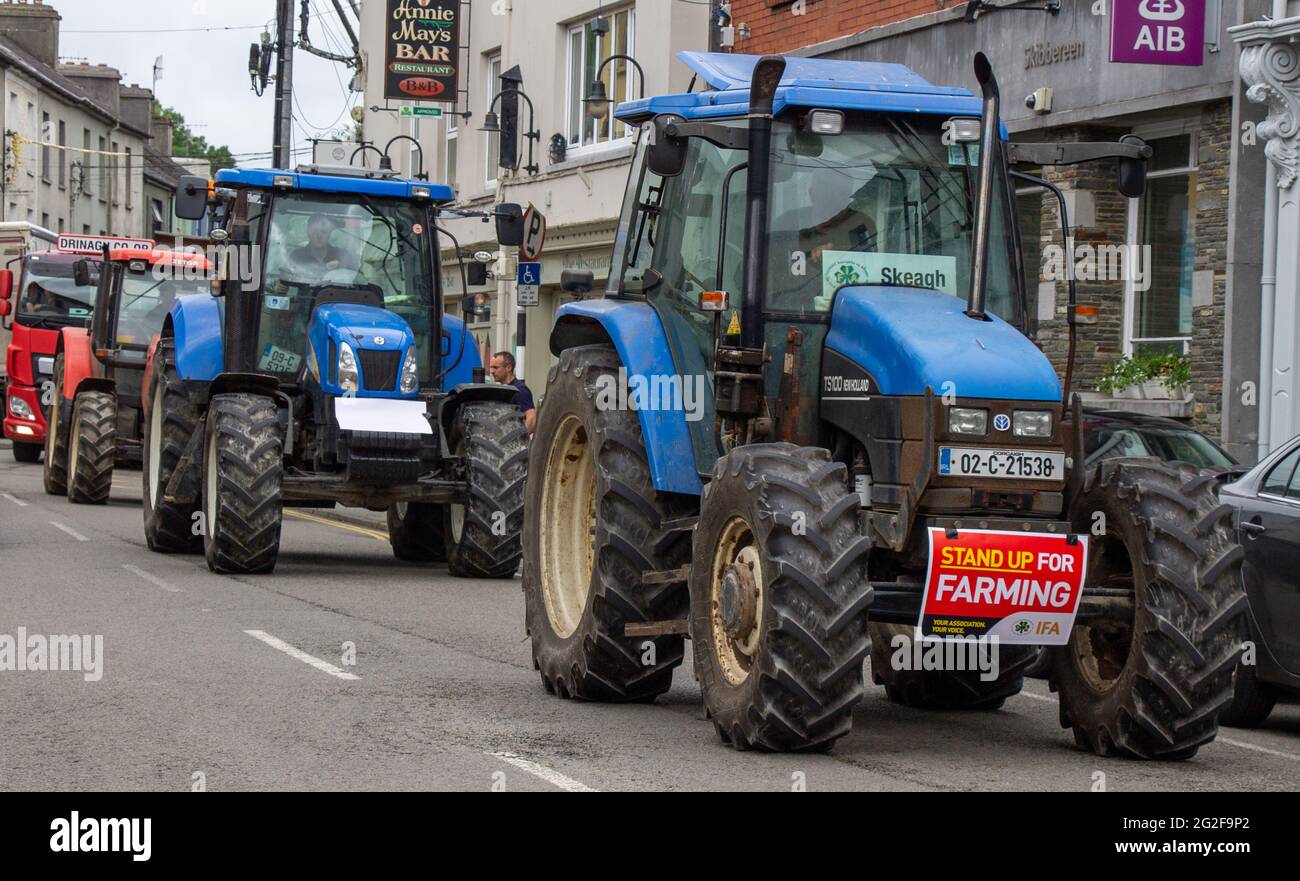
282	138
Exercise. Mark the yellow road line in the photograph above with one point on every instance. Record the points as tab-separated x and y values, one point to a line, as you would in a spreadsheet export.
378	536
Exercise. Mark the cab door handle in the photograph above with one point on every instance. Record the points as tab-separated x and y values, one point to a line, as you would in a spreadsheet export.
1253	529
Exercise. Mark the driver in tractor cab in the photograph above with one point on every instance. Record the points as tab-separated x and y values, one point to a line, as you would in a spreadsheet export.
318	256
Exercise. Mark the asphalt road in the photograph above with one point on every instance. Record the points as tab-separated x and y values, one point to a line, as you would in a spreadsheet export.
442	694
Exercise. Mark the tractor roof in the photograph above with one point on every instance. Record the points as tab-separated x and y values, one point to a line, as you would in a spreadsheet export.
807	82
352	184
160	257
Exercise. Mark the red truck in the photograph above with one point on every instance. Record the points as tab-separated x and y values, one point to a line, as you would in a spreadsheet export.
45	300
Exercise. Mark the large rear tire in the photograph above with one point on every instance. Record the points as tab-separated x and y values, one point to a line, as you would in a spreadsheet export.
943	689
93	438
593	526
1153	684
55	471
482	535
415	532
169	527
242	470
779	598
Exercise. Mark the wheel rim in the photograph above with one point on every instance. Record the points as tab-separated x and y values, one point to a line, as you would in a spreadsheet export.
457	516
1099	652
568	526
74	448
155	443
736	598
210	486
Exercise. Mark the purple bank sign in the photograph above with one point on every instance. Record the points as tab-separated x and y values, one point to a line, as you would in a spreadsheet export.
1158	32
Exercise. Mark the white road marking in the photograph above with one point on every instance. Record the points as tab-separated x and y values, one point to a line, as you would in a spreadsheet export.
69	530
323	666
555	778
152	579
17	501
1240	744
1259	749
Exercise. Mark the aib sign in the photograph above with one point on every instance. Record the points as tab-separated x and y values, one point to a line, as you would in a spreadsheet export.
1158	32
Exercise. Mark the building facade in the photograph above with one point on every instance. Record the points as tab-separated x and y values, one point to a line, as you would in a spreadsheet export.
1196	230
78	143
552	50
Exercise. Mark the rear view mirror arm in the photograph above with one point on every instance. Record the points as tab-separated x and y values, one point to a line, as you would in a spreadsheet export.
1073	154
725	136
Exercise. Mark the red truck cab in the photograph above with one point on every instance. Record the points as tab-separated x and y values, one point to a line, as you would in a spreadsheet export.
44	300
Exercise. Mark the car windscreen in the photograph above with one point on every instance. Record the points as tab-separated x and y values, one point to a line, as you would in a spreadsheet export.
50	296
1166	444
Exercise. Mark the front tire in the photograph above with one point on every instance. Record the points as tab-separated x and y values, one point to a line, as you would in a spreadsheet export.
779	598
415	532
482	535
1154	683
93	434
944	689
242	470
593	526
169	526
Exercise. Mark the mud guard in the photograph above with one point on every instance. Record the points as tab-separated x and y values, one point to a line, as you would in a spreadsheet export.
195	324
638	336
78	359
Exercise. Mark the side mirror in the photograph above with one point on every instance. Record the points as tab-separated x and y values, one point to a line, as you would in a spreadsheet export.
1132	172
5	308
192	197
6	283
510	224
81	274
577	281
476	274
666	155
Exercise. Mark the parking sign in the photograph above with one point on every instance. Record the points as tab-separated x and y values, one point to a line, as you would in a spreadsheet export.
530	282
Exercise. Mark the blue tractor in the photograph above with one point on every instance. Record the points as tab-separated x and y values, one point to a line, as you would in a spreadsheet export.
806	424
323	371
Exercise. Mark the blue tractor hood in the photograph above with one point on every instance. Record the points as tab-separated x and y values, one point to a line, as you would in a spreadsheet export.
364	328
910	338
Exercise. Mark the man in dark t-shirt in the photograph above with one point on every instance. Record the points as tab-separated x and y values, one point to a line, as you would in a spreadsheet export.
502	367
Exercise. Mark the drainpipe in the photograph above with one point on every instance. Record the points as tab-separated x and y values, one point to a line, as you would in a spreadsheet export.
1268	293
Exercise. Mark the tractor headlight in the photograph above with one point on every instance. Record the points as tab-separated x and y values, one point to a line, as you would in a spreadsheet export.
968	420
349	381
19	408
410	373
1032	423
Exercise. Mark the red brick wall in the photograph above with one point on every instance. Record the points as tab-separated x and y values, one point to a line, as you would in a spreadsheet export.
776	27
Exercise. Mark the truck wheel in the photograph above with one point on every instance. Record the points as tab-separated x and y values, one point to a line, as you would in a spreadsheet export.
415	532
1152	682
26	453
593	524
173	419
1252	700
93	438
55	472
482	536
779	598
893	665
242	469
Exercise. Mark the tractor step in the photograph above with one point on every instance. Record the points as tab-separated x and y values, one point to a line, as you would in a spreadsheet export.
680	627
666	576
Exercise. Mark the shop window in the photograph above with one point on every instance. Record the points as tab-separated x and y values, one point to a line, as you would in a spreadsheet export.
1162	223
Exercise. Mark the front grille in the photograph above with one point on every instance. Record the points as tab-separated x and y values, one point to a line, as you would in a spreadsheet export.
379	369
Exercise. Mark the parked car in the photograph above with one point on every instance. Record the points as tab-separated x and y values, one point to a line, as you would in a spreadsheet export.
1111	434
1267	500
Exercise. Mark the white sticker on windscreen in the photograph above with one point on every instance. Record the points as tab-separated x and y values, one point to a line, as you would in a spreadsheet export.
841	268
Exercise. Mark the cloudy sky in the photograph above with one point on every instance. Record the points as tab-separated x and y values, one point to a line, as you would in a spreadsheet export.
205	73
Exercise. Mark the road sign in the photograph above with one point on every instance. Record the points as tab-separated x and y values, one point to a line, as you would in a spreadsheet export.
530	282
534	234
421	111
95	244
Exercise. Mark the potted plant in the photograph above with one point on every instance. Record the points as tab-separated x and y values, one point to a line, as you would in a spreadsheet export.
1149	376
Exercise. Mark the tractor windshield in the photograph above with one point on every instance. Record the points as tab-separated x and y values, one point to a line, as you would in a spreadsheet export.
146	300
334	240
886	202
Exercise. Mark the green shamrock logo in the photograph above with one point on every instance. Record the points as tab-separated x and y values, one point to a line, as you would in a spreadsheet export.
1022	627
